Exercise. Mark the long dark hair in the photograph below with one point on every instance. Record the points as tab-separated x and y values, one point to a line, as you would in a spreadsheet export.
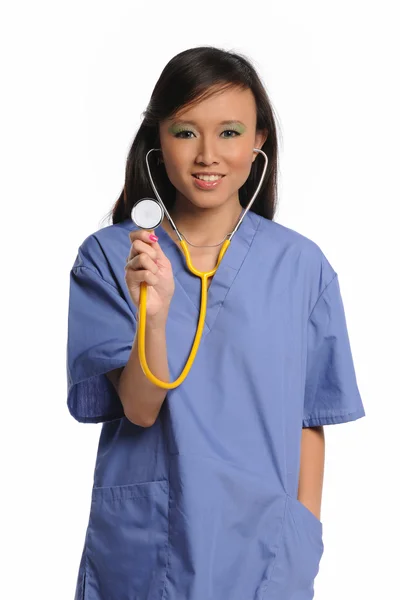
191	76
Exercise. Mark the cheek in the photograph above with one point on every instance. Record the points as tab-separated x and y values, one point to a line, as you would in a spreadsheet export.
240	166
175	162
174	171
240	156
172	166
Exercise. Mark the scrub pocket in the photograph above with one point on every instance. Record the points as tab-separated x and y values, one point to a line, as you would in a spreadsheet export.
126	548
297	561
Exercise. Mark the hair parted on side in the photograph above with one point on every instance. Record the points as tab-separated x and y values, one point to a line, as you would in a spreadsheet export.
188	78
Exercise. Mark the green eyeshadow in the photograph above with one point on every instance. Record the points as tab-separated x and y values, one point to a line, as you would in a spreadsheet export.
236	127
233	126
174	129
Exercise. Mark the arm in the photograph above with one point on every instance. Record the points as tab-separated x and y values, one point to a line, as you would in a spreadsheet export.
312	468
141	399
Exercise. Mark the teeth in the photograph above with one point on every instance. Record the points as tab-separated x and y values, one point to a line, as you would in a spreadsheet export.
208	177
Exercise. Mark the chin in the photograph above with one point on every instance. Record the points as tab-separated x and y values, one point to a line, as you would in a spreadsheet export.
208	200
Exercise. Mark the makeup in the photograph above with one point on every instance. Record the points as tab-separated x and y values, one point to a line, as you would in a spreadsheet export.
185	126
207	185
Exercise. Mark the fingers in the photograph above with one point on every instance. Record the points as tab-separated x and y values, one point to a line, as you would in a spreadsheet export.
138	247
141	261
143	235
137	277
142	268
141	242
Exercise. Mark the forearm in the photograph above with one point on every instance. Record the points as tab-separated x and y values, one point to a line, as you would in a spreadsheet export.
141	399
312	469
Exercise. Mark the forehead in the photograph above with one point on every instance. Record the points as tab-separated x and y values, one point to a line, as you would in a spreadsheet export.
226	105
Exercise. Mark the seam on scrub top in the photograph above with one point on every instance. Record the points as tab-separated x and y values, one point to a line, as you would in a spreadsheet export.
329	414
332	417
87	547
115	362
85	581
126	485
237	273
306	347
323	291
99	276
168	542
196	308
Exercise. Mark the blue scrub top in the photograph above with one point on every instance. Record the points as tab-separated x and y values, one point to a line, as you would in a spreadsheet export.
203	504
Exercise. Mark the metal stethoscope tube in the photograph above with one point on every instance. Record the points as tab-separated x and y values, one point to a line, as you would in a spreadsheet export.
148	213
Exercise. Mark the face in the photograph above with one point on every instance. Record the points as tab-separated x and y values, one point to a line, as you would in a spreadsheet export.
208	148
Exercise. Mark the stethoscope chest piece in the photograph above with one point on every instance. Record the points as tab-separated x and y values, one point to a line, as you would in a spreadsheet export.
147	213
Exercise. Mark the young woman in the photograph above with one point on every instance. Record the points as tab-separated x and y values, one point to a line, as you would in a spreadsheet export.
211	490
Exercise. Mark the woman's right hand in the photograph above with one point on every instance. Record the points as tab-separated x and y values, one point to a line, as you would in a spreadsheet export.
147	262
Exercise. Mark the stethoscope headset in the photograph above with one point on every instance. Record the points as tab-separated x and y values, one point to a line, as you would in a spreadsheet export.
148	214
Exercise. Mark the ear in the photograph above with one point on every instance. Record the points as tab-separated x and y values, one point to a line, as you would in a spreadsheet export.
260	139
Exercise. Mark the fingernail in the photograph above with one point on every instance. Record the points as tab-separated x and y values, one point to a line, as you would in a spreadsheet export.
153	238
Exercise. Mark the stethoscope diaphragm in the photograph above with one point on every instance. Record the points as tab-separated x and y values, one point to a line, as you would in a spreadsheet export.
147	213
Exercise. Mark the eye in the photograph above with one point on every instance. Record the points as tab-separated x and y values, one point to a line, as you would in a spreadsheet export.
231	131
182	134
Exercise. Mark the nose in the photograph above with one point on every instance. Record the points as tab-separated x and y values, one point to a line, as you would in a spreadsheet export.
207	152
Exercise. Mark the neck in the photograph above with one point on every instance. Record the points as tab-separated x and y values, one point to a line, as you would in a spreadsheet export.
205	226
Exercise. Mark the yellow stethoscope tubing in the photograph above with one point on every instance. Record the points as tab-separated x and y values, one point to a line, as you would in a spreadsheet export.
204	291
204	276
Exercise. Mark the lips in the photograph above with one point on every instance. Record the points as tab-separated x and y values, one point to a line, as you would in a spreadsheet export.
209	182
208	176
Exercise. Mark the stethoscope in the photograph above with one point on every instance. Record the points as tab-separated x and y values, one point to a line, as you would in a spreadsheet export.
148	213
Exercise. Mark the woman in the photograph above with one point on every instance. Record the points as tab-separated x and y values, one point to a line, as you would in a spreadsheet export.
211	491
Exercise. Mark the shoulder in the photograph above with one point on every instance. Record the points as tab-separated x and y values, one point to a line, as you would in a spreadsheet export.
302	253
285	237
102	249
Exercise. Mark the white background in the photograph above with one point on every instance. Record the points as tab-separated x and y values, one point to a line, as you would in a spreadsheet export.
76	77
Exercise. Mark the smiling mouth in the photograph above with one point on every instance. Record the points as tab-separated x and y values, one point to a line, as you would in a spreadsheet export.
208	177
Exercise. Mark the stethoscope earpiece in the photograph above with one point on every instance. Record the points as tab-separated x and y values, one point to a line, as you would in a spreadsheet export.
148	213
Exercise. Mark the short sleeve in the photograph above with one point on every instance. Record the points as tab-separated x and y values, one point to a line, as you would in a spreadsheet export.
101	330
331	391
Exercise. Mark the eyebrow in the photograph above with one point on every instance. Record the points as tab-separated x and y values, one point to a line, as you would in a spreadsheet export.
229	122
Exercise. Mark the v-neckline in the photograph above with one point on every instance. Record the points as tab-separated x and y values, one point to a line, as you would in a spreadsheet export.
227	271
164	233
222	280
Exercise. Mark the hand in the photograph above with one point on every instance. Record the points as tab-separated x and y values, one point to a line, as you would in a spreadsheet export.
147	262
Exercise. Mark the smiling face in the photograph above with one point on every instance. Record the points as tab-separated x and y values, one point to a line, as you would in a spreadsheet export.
208	148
